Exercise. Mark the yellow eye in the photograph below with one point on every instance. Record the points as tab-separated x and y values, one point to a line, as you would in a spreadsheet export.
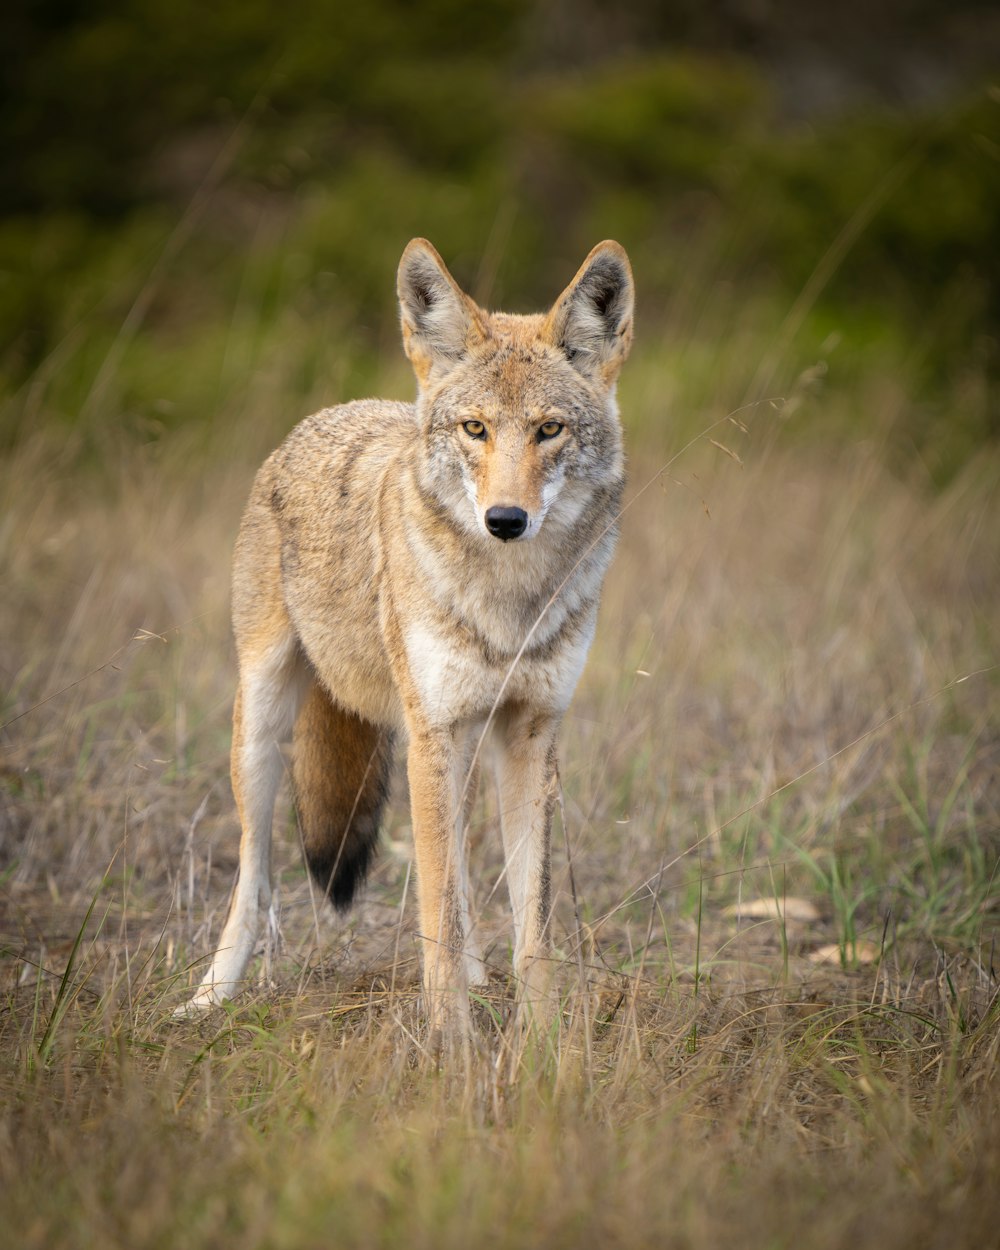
549	429
474	429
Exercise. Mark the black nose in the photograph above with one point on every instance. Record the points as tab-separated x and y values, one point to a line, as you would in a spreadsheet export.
506	523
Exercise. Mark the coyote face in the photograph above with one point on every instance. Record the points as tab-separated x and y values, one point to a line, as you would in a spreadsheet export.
515	427
508	411
431	572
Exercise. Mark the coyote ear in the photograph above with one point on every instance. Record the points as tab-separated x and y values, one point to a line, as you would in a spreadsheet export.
592	320
440	322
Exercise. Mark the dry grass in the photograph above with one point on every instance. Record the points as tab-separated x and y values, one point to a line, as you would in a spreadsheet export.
780	1019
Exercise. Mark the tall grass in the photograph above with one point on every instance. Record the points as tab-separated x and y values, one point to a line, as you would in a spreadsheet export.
777	898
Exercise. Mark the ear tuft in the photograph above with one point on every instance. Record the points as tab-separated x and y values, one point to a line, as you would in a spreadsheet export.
440	322
592	320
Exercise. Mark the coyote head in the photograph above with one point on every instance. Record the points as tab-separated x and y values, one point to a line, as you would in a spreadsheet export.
518	413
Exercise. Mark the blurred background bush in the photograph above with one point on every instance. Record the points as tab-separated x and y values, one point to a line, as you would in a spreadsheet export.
202	204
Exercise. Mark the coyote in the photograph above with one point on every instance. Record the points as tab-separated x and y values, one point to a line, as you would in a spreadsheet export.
430	572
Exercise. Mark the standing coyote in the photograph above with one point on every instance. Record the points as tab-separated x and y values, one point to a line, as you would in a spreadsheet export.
430	570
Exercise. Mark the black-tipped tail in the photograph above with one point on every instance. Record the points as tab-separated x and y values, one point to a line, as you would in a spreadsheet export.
341	773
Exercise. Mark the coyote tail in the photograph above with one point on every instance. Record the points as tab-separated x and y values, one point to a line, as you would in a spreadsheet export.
341	775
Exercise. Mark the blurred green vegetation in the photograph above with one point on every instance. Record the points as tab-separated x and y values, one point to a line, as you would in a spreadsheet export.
201	206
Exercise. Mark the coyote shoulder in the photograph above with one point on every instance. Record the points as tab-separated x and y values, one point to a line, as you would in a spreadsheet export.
429	573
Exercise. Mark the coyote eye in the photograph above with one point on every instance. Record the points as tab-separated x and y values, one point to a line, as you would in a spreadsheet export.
549	429
474	429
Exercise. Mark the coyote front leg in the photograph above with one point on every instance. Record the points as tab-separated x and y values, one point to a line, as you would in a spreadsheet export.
436	776
526	780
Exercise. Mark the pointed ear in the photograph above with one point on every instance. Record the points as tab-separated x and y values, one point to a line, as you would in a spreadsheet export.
440	322
592	320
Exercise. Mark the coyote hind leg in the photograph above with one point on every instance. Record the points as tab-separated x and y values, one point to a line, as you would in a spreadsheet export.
267	700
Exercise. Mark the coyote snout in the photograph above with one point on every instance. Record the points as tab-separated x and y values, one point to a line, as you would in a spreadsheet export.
373	605
506	523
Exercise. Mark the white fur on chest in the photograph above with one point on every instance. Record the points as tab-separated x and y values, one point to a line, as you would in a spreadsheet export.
456	684
500	598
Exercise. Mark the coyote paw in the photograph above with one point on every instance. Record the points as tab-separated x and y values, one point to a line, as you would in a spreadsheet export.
203	1001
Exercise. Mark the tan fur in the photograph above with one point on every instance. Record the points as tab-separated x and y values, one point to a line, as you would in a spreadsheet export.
339	808
373	597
